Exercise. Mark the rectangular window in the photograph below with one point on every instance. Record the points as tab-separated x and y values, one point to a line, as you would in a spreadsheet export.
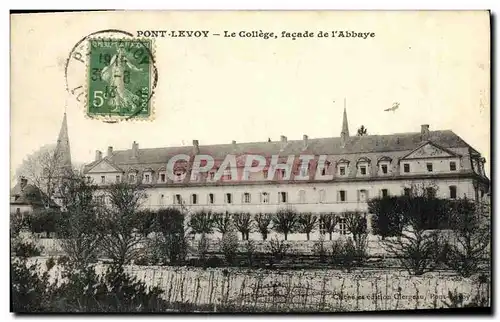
265	197
177	199
283	198
229	198
194	199
429	167
407	192
385	193
211	198
342	195
161	199
117	179
162	177
406	167
453	166
103	179
363	195
453	192
342	226
384	168
362	170
146	178
302	196
322	196
246	197
342	170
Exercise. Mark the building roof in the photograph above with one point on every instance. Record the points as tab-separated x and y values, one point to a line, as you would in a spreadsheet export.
393	146
29	195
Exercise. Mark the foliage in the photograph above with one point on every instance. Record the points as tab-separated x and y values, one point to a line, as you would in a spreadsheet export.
387	220
263	221
355	223
202	222
78	227
147	222
285	221
44	221
203	246
471	237
345	254
277	248
17	223
243	223
222	221
319	249
82	291
307	223
173	243
362	131
119	241
229	244
26	249
328	221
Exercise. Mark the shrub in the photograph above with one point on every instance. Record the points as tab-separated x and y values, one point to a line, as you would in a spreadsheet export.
249	251
202	247
319	249
26	249
277	249
172	243
229	245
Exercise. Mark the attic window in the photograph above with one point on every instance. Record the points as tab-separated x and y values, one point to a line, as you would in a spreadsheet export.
342	170
384	168
162	177
362	170
429	167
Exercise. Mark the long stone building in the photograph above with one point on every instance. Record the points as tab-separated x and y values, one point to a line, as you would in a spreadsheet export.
346	171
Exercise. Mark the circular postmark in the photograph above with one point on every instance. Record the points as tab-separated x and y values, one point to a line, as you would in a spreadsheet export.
113	75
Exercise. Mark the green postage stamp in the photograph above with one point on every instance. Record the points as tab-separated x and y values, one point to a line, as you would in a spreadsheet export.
119	79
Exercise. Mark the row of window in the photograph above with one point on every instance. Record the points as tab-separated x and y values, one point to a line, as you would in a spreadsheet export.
282	196
281	173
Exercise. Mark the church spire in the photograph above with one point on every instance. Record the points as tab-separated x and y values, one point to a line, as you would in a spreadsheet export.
63	151
344	135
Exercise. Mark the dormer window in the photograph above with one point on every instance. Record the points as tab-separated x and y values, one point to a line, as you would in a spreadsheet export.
162	175
383	165
362	165
342	167
453	166
132	178
324	171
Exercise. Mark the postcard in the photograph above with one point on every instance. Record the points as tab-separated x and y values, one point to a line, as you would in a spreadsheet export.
250	161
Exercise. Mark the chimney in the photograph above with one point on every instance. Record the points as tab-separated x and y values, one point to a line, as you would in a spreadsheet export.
196	147
424	132
23	182
98	155
283	142
305	139
234	144
110	151
135	149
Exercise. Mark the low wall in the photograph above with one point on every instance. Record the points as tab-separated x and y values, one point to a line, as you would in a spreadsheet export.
329	289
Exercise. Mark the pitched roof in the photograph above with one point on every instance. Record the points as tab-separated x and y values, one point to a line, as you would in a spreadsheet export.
391	145
29	195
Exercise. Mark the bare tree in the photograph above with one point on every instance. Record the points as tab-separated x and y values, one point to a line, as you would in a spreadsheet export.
43	170
328	221
202	222
262	222
307	223
243	223
222	221
119	239
78	227
355	223
285	221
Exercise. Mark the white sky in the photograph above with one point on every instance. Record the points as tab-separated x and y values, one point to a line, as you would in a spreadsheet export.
435	64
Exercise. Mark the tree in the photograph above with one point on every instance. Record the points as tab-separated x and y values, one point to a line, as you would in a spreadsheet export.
468	247
243	223
44	220
202	222
262	222
355	223
78	228
307	222
170	225
43	170
285	221
418	248
147	221
119	239
328	221
229	244
222	220
387	220
362	131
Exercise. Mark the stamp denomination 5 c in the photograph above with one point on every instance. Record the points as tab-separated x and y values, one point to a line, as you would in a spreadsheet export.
119	78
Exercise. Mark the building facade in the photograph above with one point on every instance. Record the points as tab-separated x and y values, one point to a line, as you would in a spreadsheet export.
343	174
